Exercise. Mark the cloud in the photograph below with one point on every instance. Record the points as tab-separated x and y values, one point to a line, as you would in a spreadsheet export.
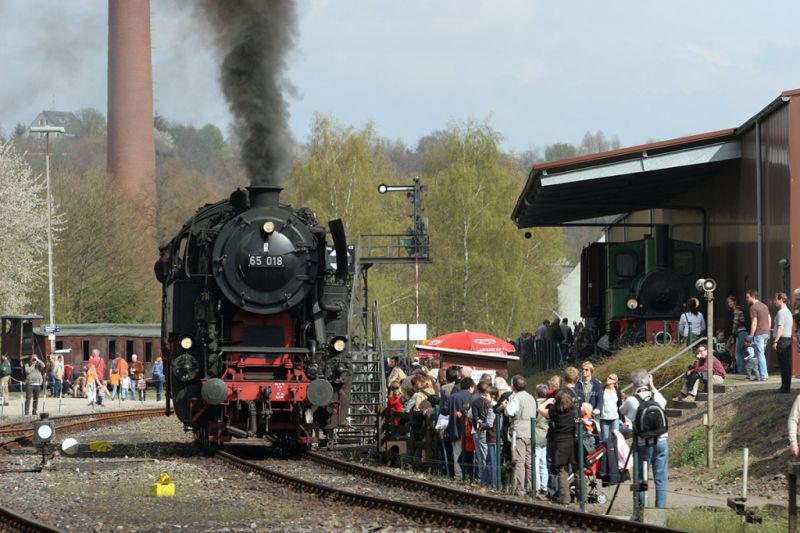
709	55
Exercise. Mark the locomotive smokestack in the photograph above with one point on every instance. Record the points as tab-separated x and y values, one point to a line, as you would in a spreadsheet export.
264	195
254	37
662	246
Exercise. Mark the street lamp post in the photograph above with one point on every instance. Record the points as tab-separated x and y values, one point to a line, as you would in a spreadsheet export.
47	130
708	286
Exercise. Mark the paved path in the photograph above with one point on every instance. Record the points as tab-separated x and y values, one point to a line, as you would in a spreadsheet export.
12	413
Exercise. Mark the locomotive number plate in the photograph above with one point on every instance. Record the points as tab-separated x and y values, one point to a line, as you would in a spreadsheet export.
265	261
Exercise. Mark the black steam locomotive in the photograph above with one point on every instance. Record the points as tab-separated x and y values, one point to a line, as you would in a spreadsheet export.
634	291
254	325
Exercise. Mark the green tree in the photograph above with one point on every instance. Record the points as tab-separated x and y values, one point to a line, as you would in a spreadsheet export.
485	276
213	137
93	122
336	175
102	257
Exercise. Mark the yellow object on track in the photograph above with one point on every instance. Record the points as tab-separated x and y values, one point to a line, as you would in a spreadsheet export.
163	487
100	446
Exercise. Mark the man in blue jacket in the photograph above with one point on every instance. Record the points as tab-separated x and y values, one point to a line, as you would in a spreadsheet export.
589	388
457	408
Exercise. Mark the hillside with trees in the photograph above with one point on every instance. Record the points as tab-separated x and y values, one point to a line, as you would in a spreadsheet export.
484	275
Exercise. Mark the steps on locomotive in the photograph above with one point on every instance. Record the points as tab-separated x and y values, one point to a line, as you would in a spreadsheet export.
367	398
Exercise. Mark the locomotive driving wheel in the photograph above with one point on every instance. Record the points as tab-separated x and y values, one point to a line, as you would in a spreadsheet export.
205	443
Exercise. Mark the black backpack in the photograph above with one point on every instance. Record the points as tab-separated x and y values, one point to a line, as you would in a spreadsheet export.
433	399
651	420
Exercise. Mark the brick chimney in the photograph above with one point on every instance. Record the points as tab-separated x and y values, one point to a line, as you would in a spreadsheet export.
131	148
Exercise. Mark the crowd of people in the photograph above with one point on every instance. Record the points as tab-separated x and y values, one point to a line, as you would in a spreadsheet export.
568	340
96	380
534	447
506	434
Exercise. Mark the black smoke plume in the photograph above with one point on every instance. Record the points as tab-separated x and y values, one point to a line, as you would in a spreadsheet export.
254	36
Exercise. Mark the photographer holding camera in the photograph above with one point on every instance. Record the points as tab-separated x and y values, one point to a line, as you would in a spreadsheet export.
33	383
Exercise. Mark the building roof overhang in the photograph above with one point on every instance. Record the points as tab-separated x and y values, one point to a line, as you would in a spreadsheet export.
591	189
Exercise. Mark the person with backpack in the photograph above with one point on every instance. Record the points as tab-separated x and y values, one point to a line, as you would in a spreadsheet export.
646	408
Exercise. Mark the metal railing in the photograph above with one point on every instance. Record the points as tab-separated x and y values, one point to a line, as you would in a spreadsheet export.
669	360
394	247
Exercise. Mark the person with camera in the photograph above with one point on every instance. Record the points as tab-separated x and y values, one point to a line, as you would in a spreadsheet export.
699	372
34	380
652	446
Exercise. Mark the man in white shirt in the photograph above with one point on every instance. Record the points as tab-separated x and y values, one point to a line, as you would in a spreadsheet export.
782	341
522	408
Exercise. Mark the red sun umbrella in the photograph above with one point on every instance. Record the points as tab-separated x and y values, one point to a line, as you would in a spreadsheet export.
467	341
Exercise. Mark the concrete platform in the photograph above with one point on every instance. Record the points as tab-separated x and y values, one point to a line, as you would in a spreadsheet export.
12	413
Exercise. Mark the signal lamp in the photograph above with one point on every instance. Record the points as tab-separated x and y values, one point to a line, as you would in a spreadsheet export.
44	431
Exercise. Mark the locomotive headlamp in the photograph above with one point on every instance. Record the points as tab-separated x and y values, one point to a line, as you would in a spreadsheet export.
339	344
186	343
632	304
268	227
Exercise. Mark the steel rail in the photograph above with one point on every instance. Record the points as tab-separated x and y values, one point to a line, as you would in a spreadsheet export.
569	517
13	521
442	516
23	428
82	421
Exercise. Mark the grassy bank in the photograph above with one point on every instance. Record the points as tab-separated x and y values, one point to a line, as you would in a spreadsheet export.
622	363
726	521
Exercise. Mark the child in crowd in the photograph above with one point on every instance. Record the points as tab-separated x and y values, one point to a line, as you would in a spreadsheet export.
591	428
721	350
113	382
91	384
124	385
750	359
589	424
553	385
102	392
141	388
395	402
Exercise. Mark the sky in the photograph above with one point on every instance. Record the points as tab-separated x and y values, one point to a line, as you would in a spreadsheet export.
539	71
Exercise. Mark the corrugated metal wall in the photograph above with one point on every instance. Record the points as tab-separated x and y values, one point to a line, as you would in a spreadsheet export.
775	203
728	193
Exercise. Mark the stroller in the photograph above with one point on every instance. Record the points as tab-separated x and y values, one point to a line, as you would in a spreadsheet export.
594	452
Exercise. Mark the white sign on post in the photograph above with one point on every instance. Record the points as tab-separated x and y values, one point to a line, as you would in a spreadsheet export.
408	332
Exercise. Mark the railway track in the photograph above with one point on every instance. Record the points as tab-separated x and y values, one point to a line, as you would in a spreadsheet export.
412	497
24	428
19	436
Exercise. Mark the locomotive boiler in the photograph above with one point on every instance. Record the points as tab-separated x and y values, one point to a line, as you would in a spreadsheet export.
634	291
254	323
